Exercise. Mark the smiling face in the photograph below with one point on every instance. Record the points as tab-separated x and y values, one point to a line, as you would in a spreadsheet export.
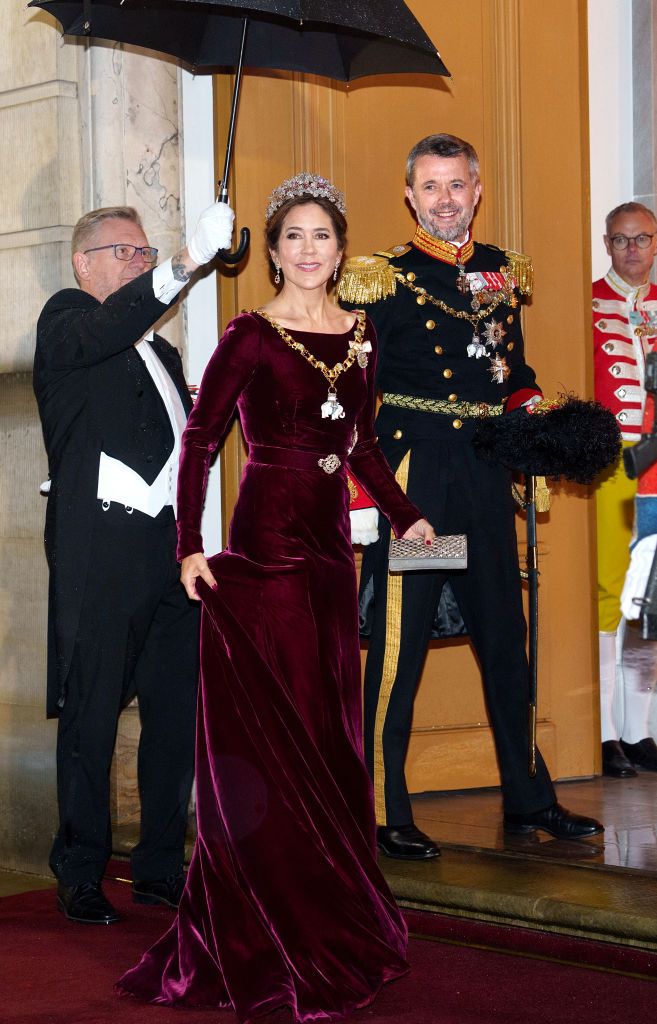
100	273
444	196
307	248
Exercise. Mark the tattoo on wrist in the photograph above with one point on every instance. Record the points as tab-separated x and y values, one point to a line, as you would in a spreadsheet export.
179	270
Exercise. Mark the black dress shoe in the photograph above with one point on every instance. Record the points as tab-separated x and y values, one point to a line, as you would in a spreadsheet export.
405	842
162	890
86	903
556	820
642	754
614	761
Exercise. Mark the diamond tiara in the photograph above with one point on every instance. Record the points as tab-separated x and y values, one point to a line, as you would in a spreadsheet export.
305	184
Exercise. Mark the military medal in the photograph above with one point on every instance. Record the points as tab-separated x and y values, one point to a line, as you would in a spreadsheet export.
499	370
331	408
475	348
494	333
462	282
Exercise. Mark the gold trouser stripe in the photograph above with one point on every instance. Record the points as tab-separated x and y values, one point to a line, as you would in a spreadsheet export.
390	662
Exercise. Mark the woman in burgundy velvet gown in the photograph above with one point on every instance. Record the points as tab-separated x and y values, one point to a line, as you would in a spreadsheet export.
284	904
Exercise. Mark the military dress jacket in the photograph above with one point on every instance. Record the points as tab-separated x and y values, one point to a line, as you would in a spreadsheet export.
94	394
432	344
618	351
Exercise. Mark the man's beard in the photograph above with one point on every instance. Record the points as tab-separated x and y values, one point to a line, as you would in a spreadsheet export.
451	233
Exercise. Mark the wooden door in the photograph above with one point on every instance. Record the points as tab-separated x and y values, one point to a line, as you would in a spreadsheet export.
518	93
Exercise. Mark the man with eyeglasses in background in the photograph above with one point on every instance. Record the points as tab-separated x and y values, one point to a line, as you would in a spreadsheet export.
113	404
622	301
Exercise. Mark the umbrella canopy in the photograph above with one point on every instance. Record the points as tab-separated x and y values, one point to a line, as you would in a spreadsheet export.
341	39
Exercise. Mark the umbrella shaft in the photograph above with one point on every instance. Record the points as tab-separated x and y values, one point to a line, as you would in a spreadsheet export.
223	188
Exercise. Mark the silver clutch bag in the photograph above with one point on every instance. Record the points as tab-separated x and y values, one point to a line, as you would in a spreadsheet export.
444	553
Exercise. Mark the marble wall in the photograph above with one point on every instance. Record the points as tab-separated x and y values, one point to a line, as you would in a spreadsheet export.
84	126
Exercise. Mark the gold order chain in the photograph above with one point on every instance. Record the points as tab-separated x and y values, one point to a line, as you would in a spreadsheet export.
473	318
330	373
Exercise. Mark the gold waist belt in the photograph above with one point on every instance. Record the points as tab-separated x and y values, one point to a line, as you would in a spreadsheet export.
442	406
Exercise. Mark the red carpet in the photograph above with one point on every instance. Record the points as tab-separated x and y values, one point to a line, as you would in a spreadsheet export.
56	972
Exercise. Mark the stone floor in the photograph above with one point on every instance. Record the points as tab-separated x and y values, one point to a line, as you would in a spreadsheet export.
603	888
627	807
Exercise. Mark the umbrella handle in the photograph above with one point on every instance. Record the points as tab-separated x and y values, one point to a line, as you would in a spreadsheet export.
238	254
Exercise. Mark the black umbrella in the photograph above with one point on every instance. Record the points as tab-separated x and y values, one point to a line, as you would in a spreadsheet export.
341	39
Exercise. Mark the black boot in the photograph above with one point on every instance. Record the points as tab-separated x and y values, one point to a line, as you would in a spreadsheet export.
642	754
614	761
405	842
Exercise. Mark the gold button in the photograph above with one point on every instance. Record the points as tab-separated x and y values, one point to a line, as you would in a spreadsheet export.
452	397
510	347
430	324
420	300
509	319
447	373
457	424
410	276
397	434
438	350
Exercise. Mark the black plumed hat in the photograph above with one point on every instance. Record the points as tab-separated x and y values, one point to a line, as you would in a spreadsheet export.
568	438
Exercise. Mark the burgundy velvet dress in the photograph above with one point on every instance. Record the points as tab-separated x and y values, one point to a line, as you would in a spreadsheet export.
284	904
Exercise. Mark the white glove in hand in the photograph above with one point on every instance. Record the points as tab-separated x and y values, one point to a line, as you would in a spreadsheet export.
637	576
213	231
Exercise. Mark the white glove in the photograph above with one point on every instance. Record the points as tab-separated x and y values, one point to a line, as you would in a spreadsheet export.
364	525
636	579
213	231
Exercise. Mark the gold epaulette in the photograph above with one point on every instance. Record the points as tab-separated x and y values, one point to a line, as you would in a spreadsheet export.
366	279
522	270
394	252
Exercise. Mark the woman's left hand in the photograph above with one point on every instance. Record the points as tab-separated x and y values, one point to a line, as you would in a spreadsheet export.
422	530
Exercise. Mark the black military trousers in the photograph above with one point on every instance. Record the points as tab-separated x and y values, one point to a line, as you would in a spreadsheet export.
138	634
458	494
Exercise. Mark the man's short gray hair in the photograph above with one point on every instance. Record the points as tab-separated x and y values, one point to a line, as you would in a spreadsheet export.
445	146
628	208
86	227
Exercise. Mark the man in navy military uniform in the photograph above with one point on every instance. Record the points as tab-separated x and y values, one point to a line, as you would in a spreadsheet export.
447	315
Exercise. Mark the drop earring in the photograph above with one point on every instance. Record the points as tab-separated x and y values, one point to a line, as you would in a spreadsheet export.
277	279
337	267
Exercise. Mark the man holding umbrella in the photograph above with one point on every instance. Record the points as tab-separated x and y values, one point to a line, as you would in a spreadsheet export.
450	351
113	405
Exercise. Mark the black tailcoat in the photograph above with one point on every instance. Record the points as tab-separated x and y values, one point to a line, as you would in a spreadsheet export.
94	394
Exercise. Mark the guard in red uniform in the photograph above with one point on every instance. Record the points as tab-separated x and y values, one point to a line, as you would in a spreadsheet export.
623	301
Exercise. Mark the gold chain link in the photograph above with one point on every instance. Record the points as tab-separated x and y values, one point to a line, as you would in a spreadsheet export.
330	373
473	318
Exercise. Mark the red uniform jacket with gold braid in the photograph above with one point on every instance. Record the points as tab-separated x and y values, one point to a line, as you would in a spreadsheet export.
619	355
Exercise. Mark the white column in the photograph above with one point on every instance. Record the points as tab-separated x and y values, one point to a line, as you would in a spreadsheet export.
610	116
201	313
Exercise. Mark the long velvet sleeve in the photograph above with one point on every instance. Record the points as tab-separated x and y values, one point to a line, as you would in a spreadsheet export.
227	374
369	464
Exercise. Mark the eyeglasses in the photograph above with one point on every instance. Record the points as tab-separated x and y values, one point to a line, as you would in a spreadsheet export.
123	251
621	242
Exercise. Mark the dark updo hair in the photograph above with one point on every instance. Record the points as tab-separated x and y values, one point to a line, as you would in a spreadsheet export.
274	225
